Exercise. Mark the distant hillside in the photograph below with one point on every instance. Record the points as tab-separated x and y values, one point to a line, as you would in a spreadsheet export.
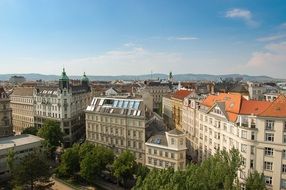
178	77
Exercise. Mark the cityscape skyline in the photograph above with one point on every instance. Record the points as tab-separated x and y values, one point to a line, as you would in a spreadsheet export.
119	38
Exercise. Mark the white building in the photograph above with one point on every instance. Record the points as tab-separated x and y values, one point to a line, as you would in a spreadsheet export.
118	124
256	128
21	145
166	150
64	104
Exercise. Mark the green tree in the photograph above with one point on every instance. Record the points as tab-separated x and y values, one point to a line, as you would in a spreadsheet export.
255	181
31	172
30	130
124	167
95	161
69	165
52	134
85	149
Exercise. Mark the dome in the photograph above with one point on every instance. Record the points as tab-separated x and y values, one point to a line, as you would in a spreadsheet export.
84	78
64	75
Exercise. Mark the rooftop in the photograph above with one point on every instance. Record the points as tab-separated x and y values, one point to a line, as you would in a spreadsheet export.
181	94
18	140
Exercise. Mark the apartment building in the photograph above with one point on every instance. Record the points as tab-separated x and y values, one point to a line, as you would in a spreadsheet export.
172	108
154	91
256	128
21	145
64	103
166	150
118	124
5	114
22	104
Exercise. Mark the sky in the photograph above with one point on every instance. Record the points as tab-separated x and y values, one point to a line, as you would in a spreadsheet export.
123	37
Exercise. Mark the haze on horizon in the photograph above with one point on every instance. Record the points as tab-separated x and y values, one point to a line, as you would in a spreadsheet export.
136	37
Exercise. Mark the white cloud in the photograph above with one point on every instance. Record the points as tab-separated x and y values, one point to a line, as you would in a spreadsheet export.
183	38
273	55
272	38
242	14
129	44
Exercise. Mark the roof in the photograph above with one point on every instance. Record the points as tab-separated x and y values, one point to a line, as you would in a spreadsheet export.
277	108
84	78
232	101
64	75
175	132
23	91
254	107
131	107
239	89
18	140
233	105
181	94
158	139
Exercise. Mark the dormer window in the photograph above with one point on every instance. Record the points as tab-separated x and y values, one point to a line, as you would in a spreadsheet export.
172	141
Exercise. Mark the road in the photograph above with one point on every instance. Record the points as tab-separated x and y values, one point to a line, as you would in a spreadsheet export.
60	186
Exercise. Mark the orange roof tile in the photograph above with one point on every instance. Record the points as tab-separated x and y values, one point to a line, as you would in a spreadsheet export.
276	109
232	101
181	94
255	107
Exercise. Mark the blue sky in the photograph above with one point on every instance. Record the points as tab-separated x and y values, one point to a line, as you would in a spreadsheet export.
114	37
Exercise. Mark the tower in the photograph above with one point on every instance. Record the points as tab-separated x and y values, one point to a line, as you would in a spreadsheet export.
64	81
84	80
5	114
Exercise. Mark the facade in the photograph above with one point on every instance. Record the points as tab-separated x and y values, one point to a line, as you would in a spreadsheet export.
118	124
22	104
256	128
172	108
256	91
166	150
21	145
156	90
64	104
5	114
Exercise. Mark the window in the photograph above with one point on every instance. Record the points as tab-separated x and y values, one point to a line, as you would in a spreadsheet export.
251	163
252	135
160	153
284	127
149	160
243	134
149	150
284	168
166	154
284	138
155	151
172	141
172	155
269	125
181	141
284	154
269	137
252	149
268	166
268	151
160	163
243	148
283	183
268	180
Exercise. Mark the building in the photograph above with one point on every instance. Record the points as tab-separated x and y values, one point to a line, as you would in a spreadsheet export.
65	104
17	79
118	124
21	145
6	128
256	90
256	128
154	91
172	108
166	150
22	104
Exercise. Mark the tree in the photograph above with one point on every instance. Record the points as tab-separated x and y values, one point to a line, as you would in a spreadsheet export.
31	172
69	162
255	181
30	130
85	149
52	134
124	167
95	161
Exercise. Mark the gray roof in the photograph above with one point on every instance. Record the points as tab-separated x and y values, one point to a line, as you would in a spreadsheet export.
158	139
18	140
175	132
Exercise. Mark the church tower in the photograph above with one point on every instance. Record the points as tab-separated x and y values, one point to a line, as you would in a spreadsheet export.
64	81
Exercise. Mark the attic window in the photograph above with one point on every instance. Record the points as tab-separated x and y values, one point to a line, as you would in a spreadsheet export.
278	109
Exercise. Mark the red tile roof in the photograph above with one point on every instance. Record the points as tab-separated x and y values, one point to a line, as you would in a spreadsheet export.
254	107
181	94
276	109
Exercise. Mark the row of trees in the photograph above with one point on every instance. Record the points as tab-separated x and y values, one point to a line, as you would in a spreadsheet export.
217	172
88	161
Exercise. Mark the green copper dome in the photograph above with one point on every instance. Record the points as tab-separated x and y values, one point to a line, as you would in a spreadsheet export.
64	75
84	78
